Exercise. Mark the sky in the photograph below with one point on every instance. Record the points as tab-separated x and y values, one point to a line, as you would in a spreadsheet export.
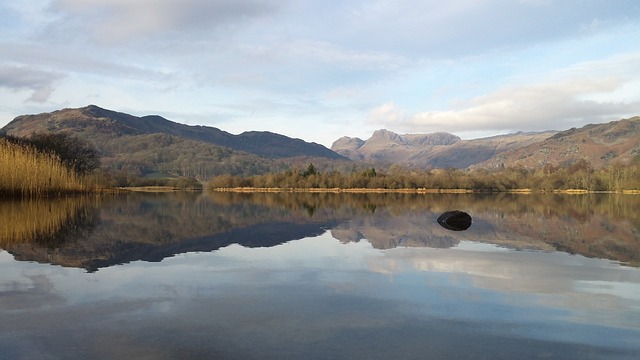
320	70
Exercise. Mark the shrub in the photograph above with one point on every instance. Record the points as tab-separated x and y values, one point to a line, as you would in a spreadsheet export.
24	171
75	153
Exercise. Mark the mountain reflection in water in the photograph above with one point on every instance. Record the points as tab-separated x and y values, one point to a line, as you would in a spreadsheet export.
318	276
93	234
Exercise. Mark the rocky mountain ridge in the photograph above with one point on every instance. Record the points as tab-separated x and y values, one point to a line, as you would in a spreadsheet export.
435	150
616	142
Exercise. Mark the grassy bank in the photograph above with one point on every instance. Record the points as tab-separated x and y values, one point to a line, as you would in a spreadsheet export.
410	191
26	172
339	190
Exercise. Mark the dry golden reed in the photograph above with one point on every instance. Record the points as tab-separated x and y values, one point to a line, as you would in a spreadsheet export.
27	172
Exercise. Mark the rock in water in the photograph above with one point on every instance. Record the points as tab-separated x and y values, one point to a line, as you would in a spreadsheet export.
455	220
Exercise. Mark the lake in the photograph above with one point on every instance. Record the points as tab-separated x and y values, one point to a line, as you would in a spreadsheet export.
320	276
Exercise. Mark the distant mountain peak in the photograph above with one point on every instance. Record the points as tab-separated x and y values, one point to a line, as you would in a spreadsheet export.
347	144
432	150
385	134
437	138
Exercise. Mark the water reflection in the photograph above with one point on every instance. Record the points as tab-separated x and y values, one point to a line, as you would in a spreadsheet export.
41	220
91	234
369	276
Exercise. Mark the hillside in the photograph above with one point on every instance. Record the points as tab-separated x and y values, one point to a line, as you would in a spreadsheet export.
436	150
616	142
154	146
148	144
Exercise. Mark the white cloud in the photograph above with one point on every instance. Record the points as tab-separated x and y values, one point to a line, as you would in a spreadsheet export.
588	92
43	56
326	52
455	27
324	65
121	20
40	82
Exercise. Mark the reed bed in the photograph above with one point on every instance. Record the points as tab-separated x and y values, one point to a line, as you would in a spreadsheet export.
26	172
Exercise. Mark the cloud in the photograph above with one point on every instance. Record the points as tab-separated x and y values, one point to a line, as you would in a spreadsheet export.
18	78
118	20
326	52
325	62
442	29
42	56
588	92
415	29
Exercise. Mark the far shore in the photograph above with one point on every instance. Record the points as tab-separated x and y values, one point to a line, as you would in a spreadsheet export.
414	191
169	189
153	189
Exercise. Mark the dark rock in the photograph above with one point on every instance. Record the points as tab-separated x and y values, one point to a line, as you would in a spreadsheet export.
455	220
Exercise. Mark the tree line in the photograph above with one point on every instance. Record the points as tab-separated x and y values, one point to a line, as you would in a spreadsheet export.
580	175
76	161
74	153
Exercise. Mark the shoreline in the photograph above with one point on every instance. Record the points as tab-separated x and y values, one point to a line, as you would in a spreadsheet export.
168	189
415	191
153	189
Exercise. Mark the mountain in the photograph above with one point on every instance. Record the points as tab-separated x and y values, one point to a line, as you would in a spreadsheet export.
95	121
148	144
436	150
467	153
616	142
387	146
152	145
599	144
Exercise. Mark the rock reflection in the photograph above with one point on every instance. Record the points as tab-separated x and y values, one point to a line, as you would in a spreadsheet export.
151	227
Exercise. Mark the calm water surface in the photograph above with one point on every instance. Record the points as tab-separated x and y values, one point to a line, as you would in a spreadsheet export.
320	276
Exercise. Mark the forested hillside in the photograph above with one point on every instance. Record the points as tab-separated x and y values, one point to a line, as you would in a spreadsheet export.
156	147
